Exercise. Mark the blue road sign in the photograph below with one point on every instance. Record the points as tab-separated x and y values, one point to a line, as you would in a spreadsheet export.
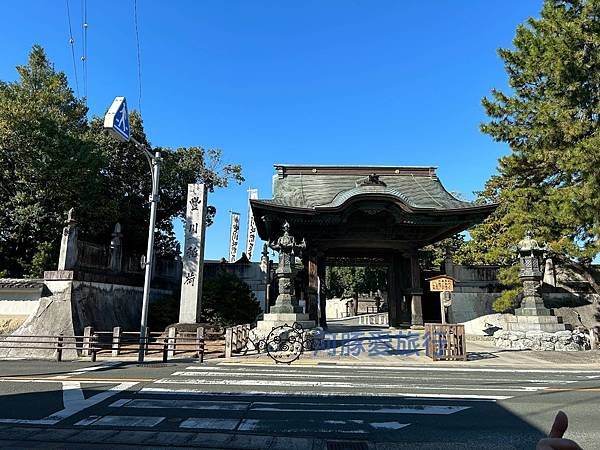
117	119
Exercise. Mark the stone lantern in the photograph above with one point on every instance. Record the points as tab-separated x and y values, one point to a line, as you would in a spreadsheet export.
286	310
531	256
532	315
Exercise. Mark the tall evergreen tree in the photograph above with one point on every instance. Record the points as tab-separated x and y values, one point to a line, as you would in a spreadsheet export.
550	181
52	159
46	166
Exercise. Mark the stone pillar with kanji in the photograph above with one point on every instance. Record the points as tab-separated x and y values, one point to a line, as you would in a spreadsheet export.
193	255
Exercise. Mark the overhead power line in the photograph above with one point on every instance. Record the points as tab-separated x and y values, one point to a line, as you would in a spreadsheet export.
139	58
72	44
84	55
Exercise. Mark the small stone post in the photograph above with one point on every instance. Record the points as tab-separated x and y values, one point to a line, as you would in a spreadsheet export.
228	342
200	343
67	259
234	339
172	342
593	342
116	341
116	249
146	340
59	346
87	338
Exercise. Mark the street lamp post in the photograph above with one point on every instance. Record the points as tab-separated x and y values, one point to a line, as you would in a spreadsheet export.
117	121
154	161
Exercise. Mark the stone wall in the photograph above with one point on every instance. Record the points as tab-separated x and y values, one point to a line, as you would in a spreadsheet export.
467	306
574	340
69	305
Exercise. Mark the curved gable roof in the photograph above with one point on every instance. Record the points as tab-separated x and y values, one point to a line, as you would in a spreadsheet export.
316	187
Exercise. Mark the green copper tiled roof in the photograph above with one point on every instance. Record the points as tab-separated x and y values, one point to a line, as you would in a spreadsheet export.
330	186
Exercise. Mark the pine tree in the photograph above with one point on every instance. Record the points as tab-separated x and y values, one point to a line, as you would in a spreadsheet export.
550	181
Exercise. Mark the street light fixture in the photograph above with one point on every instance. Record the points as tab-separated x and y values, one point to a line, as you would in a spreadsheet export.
116	120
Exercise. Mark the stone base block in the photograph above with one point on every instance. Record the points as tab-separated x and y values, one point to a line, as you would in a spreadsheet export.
277	319
550	324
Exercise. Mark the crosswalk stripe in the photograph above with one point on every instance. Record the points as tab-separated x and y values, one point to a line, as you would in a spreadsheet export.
183	404
410	368
210	423
340	384
270	392
432	410
121	421
209	373
297	407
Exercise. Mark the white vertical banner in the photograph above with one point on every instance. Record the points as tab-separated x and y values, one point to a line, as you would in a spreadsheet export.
193	255
251	240
234	235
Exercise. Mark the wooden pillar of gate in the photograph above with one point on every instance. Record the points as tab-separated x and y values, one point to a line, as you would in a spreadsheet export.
322	298
312	291
416	291
395	289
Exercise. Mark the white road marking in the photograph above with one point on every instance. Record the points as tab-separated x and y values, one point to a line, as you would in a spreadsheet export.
77	404
416	368
464	397
121	421
73	401
83	370
278	374
184	404
370	409
210	423
87	421
119	403
339	384
49	380
267	424
388	425
29	421
298	407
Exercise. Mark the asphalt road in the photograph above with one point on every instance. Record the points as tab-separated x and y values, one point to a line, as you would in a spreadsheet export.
263	405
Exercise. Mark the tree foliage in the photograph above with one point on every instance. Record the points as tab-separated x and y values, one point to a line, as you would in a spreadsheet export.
432	256
227	300
549	182
351	281
53	158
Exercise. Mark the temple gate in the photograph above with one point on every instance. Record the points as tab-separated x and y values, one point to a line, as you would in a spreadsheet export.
379	214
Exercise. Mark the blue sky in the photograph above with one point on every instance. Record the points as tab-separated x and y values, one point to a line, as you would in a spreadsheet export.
323	82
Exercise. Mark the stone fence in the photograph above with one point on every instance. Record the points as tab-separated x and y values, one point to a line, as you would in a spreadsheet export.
79	255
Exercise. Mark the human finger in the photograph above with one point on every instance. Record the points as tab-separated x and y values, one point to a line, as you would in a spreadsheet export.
561	422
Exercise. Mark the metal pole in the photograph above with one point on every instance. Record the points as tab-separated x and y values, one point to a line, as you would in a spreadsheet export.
443	308
154	198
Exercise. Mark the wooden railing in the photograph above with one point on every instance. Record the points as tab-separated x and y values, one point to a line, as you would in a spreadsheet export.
115	342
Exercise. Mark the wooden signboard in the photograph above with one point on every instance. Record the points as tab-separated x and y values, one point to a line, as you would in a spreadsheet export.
441	283
444	285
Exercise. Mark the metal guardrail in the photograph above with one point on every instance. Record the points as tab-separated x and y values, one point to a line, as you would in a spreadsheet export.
116	342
